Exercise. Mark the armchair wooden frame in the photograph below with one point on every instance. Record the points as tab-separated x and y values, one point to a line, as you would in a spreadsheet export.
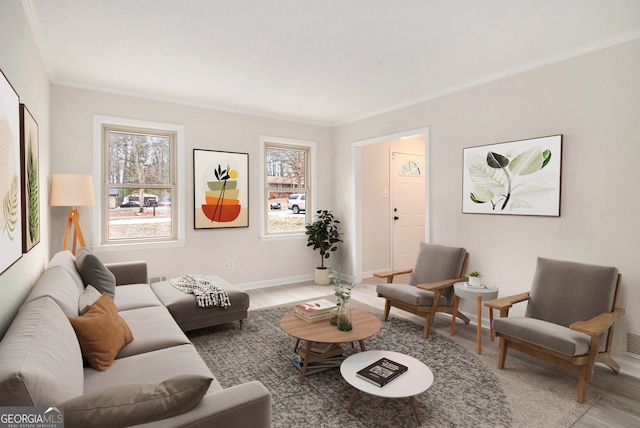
583	364
426	312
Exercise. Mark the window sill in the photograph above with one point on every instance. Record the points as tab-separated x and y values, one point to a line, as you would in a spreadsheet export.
282	237
104	248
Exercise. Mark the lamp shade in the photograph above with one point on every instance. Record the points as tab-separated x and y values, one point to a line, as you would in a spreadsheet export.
71	190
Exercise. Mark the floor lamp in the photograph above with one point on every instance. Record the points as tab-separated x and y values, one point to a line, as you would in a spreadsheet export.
72	190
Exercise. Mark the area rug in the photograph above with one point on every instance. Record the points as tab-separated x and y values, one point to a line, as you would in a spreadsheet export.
467	389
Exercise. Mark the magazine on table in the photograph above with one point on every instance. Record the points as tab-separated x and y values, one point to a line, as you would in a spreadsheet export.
382	372
316	306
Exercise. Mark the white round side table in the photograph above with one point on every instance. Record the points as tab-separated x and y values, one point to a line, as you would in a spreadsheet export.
417	379
463	291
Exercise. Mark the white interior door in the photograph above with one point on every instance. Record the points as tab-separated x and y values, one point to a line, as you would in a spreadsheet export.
407	208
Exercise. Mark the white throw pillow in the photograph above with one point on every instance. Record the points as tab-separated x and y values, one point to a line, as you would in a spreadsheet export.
88	297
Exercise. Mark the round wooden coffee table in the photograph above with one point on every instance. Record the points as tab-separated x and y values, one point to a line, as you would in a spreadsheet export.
364	325
417	379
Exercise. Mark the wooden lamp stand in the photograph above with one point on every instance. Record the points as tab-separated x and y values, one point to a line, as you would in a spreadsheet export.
73	219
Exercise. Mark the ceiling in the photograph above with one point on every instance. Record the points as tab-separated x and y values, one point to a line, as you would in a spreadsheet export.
326	62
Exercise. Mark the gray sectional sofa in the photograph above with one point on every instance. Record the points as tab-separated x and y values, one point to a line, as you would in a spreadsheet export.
41	363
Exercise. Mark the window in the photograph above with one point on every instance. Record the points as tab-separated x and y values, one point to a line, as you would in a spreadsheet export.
140	186
287	183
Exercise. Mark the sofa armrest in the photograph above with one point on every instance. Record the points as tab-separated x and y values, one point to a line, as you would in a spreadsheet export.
129	272
388	275
240	406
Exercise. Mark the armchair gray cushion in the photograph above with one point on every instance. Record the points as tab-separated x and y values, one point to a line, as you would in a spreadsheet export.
561	294
564	292
434	263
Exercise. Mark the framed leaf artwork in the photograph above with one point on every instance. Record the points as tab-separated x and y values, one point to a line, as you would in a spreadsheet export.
221	189
10	215
516	178
29	153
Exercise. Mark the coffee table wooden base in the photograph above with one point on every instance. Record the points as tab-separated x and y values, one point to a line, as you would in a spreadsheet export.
364	325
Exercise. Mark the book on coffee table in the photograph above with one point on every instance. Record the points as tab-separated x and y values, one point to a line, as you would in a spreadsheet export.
382	372
315	307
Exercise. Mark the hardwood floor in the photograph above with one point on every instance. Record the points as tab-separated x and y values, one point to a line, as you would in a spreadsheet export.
619	405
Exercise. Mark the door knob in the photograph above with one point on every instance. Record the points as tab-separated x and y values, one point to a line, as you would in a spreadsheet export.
395	217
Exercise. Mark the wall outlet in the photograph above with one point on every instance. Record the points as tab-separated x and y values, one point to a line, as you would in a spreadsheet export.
230	264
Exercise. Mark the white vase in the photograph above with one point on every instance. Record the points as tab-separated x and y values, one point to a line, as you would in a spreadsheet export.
474	281
321	276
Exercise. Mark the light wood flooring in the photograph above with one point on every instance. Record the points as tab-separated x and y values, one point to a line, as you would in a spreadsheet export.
619	405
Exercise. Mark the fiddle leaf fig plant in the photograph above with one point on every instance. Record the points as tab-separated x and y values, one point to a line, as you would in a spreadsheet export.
323	234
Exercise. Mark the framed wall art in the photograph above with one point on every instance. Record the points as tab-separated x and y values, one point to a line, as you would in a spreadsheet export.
10	215
30	158
516	178
221	189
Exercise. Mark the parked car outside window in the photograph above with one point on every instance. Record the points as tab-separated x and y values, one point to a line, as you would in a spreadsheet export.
297	202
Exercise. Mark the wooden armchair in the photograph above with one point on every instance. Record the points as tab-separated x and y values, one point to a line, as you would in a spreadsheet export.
430	288
568	320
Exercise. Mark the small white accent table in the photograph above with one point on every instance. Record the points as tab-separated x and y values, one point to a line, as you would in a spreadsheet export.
417	379
462	291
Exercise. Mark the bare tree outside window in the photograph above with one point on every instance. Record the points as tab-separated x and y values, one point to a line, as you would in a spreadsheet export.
139	185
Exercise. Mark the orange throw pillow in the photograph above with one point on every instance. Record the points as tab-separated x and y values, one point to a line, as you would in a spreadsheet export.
102	333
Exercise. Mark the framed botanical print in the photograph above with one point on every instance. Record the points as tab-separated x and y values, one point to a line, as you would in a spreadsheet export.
517	178
10	214
29	154
221	189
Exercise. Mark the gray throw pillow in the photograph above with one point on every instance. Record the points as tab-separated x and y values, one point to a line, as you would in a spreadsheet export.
128	405
94	272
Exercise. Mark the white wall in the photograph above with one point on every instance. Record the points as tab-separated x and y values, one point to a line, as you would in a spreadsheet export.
594	101
21	64
206	251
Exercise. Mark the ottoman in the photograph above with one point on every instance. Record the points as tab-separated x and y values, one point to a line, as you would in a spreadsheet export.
190	316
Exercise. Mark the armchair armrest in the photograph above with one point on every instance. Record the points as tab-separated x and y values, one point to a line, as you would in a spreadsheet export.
129	272
440	285
388	275
503	304
598	324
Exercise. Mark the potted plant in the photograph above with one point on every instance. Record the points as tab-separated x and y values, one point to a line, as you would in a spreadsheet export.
474	278
323	235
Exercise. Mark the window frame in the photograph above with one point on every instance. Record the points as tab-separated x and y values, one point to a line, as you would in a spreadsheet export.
310	175
101	182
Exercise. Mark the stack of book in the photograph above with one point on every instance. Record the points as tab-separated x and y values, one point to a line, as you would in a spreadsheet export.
323	356
314	310
382	372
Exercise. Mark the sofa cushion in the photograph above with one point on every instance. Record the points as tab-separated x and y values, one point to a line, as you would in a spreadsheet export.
88	297
135	404
67	260
102	333
153	329
134	296
94	272
40	359
150	367
57	283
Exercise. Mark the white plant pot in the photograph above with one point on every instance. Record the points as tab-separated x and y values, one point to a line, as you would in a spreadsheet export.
474	281
321	276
